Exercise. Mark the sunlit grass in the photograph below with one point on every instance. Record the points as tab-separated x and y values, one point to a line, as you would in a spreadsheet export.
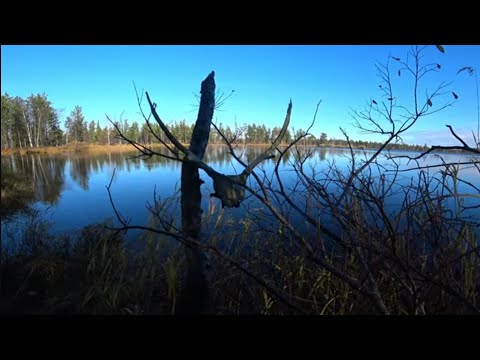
74	147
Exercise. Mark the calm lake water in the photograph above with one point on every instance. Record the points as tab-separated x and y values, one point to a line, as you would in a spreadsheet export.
71	188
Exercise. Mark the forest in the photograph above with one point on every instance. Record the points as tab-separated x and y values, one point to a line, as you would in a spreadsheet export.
34	122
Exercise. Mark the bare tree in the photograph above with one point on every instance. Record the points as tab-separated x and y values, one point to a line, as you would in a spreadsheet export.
357	206
230	189
346	209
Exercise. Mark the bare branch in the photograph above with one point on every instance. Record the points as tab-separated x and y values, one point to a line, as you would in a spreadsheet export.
164	128
268	154
457	137
144	150
120	217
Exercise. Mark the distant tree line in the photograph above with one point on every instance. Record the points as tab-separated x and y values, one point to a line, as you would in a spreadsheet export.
323	141
34	122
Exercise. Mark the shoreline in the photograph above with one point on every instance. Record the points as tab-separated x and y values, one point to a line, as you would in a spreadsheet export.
119	148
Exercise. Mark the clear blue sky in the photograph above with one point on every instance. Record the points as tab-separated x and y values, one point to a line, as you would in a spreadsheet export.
99	79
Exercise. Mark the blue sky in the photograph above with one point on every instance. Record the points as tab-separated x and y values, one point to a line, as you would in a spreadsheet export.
265	78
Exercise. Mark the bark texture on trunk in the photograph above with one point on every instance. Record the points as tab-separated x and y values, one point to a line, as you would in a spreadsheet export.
195	297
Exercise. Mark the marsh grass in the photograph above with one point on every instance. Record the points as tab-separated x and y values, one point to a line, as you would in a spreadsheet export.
427	279
434	267
430	264
97	273
91	273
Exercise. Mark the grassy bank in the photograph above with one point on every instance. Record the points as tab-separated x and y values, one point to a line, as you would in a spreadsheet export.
78	147
95	272
120	148
87	148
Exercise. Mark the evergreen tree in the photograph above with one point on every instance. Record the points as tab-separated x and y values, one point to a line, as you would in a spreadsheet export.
75	125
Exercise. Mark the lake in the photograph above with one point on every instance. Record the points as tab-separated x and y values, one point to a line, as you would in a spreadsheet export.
70	189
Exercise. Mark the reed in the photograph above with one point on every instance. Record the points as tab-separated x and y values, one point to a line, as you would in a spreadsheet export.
95	272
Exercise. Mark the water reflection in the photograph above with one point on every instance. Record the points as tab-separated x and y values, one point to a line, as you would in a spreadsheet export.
46	173
74	184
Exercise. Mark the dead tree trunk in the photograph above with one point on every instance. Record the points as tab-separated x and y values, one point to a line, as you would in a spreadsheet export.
230	189
195	298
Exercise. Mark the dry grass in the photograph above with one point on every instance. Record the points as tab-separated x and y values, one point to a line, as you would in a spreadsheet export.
91	148
74	147
96	274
